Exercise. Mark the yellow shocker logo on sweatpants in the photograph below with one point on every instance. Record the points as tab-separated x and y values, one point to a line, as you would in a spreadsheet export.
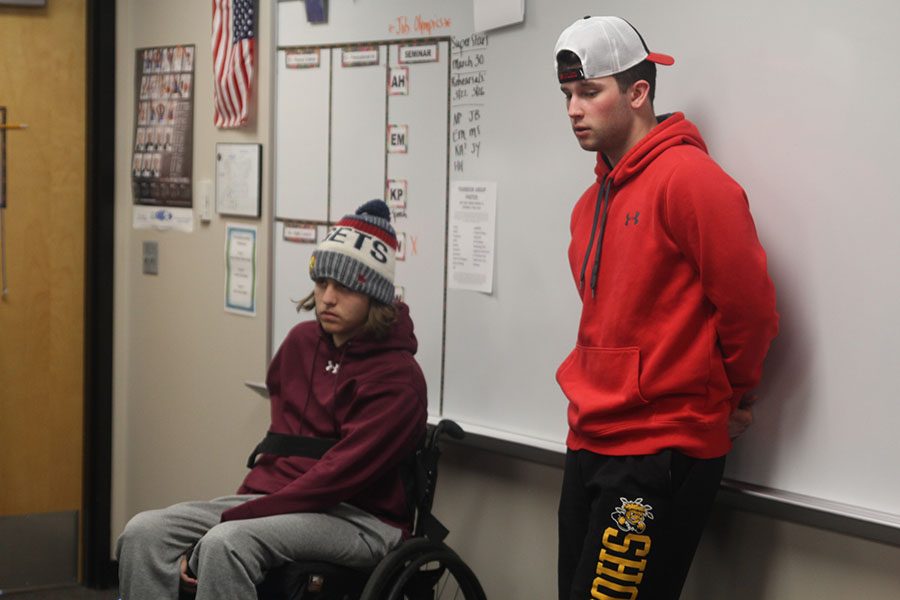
623	557
631	516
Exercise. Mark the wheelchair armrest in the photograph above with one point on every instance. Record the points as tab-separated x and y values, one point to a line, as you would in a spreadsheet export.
451	428
444	426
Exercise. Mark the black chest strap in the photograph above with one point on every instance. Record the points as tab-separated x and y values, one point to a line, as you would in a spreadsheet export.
284	444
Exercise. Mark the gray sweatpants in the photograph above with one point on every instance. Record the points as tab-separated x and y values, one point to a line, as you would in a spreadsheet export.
231	558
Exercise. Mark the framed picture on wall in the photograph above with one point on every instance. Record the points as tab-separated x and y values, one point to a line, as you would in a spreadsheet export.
238	168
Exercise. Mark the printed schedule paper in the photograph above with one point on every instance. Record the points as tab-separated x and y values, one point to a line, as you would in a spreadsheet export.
473	208
240	269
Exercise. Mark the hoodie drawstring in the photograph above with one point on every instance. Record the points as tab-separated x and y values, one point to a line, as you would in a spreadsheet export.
607	189
603	193
587	252
312	372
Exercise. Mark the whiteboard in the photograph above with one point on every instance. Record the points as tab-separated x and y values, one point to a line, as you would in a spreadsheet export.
796	101
324	172
359	121
301	140
290	282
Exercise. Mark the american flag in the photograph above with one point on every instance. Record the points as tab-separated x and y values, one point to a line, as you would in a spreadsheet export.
233	47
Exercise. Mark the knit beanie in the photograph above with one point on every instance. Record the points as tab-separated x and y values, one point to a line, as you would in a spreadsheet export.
359	253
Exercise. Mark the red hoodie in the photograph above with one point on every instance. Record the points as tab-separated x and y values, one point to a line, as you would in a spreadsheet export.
370	395
680	314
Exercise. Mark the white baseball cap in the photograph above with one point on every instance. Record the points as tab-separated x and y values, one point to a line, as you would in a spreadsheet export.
605	46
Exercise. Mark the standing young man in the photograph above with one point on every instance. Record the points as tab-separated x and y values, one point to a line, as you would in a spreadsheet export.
348	408
678	312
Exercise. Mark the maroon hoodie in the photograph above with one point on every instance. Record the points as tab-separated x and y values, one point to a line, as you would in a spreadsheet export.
370	394
677	306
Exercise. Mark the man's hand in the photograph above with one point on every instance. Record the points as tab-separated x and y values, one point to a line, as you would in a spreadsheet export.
187	581
742	417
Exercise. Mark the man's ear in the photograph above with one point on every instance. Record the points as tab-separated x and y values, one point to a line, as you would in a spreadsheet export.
639	93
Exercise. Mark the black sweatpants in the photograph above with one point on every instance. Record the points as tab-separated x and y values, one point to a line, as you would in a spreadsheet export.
629	525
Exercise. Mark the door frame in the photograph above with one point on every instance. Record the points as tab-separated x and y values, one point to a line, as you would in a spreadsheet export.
98	569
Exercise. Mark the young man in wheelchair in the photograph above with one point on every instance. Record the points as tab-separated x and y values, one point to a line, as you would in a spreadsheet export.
348	409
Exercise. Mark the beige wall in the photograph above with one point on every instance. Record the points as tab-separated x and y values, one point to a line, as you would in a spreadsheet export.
184	422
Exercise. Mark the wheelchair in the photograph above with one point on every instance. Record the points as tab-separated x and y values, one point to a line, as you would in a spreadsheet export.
422	567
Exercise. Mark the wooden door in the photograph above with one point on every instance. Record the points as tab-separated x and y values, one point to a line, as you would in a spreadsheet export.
42	83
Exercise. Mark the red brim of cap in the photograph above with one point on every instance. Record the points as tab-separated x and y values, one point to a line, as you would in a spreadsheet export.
660	59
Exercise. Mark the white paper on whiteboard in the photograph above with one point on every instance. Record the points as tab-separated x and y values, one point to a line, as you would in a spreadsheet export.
473	210
491	14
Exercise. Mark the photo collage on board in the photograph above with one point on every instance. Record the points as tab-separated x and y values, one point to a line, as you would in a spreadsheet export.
161	163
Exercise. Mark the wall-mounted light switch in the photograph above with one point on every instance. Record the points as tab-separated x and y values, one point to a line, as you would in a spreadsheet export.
151	258
205	200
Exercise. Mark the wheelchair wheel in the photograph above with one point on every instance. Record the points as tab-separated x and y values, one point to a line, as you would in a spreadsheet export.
421	569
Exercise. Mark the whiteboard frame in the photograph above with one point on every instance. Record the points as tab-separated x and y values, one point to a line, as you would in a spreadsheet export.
854	521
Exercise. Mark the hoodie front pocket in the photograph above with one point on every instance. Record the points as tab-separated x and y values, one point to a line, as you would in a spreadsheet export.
601	384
